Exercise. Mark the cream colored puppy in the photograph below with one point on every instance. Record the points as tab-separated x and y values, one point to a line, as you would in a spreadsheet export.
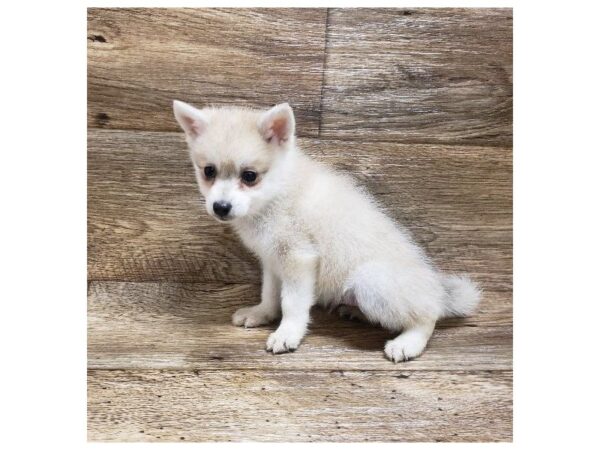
319	237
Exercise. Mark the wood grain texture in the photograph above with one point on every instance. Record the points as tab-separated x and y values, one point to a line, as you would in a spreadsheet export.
139	60
283	406
146	220
187	325
419	75
416	104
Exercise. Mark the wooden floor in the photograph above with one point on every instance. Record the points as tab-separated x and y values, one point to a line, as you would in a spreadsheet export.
417	104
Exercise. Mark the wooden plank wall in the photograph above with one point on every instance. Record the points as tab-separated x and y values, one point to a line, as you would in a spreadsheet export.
425	75
139	60
415	103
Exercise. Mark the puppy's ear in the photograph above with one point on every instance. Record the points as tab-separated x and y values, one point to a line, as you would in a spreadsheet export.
192	120
278	125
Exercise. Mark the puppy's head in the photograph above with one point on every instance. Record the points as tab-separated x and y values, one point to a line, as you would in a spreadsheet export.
238	155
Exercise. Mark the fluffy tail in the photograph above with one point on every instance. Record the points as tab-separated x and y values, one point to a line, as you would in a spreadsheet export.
463	295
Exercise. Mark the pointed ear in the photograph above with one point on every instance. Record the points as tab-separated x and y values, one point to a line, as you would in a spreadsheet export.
278	125
192	120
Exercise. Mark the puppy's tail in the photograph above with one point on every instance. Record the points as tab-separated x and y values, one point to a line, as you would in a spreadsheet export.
463	295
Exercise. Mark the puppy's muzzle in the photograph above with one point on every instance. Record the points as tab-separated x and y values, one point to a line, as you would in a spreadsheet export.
221	209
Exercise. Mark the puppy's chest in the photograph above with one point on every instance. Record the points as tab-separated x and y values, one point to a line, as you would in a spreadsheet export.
263	239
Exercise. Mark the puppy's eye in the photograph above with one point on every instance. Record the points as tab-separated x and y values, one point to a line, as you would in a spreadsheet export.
210	172
248	176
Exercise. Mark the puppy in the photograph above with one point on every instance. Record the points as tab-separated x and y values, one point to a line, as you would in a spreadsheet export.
319	237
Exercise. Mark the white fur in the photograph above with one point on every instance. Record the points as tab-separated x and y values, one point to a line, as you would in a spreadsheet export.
320	237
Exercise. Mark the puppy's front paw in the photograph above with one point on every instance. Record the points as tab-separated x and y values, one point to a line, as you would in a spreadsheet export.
252	316
285	340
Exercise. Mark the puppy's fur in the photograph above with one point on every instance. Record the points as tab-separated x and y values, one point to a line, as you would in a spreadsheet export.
320	238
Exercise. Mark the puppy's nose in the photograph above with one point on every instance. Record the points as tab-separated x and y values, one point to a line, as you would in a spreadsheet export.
221	209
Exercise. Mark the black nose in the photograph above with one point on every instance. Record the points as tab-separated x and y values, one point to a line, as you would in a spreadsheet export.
221	209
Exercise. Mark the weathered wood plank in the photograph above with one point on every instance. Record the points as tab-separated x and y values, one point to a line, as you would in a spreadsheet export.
139	60
283	406
187	325
420	75
146	221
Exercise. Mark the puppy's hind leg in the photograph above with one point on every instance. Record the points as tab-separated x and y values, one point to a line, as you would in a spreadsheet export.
411	343
398	301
